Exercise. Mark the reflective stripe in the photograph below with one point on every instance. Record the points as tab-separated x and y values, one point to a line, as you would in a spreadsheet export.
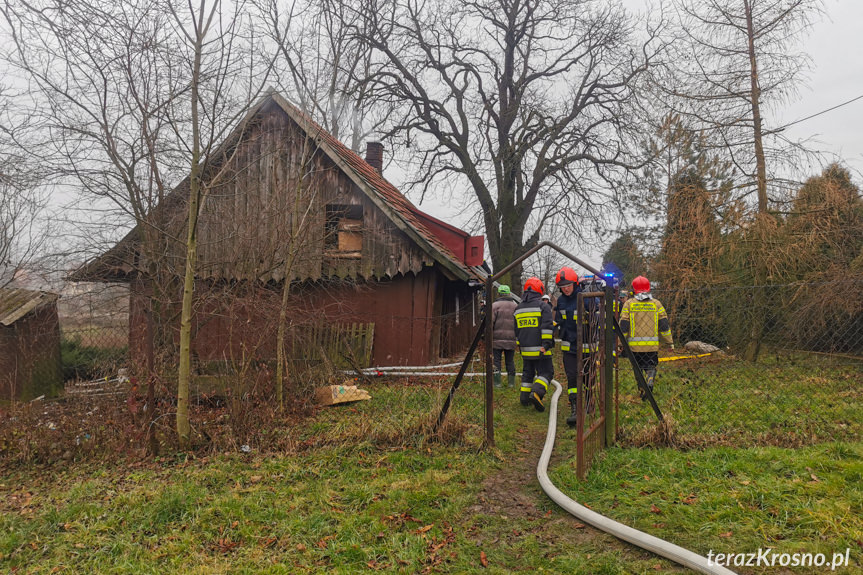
530	349
541	380
643	343
572	390
529	353
523	388
643	339
547	331
665	332
528	310
548	352
564	345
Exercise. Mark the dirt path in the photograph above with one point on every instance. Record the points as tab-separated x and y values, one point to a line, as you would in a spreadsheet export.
514	492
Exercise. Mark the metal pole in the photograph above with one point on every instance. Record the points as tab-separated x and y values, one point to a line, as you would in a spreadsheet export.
581	386
458	378
489	367
608	366
636	371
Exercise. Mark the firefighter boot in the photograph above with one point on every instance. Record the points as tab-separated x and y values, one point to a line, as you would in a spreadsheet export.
651	377
572	420
497	379
536	399
511	378
524	398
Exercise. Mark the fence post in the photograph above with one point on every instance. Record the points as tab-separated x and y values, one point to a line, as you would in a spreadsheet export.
489	368
608	367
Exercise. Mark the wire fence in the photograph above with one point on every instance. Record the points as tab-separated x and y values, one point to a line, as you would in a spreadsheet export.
772	365
766	365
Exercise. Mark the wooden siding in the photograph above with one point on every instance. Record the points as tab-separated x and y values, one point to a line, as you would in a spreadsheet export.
274	176
406	311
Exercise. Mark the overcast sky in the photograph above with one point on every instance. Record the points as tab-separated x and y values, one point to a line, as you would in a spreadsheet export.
835	45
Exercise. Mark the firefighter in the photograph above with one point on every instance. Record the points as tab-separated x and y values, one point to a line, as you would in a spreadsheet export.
644	323
566	317
503	326
534	333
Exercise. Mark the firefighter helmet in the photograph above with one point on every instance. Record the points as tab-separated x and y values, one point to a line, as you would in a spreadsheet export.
534	284
503	289
566	276
640	285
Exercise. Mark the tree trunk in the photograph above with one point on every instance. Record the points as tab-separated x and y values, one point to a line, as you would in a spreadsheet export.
185	371
760	164
758	319
184	376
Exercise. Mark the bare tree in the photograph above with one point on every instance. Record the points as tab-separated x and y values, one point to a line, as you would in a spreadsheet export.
525	102
22	232
739	61
137	96
321	64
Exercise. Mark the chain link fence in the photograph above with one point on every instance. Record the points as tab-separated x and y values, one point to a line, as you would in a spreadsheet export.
758	365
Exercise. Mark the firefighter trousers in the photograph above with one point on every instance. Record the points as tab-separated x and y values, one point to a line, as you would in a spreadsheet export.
588	377
536	374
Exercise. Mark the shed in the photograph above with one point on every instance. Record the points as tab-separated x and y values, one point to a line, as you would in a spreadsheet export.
368	264
29	344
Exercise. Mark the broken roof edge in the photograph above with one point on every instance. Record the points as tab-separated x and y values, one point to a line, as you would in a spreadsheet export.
22	302
327	143
100	268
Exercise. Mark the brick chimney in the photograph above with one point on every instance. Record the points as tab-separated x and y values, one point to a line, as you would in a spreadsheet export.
375	156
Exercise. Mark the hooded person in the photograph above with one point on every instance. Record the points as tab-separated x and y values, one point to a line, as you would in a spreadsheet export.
534	327
503	333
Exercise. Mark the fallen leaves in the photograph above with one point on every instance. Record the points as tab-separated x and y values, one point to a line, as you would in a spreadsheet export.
655	509
226	545
483	559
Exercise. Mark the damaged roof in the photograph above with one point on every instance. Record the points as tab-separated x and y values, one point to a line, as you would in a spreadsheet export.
16	303
407	217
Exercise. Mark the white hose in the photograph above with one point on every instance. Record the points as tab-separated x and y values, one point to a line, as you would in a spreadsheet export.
404	367
435	373
653	544
429	373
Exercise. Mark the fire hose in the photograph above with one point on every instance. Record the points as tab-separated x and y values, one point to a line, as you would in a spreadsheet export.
638	538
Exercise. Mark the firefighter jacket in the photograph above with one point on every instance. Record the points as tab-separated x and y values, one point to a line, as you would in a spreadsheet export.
643	321
534	326
503	322
566	318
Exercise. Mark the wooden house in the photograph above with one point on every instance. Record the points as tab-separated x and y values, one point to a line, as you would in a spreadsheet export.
286	201
29	344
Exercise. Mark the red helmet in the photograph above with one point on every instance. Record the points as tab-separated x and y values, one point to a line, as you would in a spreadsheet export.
534	284
640	285
565	277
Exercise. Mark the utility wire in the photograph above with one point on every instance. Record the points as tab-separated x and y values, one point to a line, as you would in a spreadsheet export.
818	113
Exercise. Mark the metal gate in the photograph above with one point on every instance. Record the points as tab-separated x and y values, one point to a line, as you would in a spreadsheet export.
595	353
601	429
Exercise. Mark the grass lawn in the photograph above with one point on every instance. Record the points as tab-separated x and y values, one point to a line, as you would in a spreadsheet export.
785	401
353	498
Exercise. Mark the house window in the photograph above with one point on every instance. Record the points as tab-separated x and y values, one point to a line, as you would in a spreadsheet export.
343	230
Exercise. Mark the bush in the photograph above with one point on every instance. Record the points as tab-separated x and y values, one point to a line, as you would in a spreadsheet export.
90	362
